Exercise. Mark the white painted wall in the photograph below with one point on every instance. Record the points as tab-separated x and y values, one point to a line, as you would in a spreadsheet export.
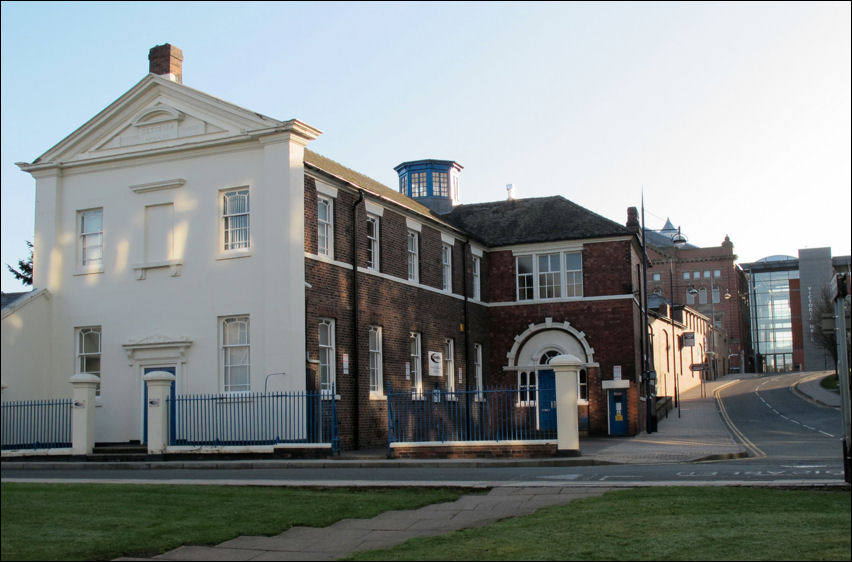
25	329
180	303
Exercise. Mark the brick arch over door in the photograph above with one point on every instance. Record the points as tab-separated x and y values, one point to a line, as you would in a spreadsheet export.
540	338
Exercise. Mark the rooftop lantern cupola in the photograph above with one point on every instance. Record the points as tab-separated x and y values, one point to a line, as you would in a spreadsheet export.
433	183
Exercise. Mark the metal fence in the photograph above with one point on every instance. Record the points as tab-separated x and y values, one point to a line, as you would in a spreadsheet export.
248	419
36	424
494	414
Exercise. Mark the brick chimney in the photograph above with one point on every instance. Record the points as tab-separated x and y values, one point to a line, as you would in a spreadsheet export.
166	61
633	220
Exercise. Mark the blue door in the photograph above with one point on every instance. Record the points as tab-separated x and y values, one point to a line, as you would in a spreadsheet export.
171	370
618	412
547	400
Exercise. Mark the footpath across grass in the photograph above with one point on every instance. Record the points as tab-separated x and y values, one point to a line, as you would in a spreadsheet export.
105	521
657	524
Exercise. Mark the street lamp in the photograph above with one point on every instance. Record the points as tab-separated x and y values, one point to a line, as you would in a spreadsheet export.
679	241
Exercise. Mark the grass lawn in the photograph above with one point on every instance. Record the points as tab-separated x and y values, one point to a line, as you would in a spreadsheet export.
104	521
830	382
657	524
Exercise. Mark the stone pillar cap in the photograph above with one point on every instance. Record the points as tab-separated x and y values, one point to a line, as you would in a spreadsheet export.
158	376
81	378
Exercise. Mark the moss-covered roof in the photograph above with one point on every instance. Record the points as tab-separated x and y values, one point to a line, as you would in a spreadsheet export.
525	221
364	182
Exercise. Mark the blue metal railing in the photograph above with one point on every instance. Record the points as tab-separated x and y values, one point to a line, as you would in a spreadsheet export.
267	418
36	424
494	414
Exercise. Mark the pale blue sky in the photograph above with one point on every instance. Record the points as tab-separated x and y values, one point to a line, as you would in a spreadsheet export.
733	117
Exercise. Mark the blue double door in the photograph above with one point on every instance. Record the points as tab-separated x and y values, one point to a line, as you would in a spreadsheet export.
547	400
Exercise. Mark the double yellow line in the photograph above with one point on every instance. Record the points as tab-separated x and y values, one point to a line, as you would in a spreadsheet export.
753	450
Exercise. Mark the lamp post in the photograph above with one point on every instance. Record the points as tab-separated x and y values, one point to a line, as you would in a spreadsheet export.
679	240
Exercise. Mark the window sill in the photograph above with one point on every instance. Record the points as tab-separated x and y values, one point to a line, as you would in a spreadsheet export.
234	254
89	270
328	396
377	396
173	265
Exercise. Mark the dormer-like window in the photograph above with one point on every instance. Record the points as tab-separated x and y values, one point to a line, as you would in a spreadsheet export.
418	184
440	186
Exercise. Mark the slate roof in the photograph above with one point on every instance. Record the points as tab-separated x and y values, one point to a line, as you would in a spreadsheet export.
524	221
369	184
7	299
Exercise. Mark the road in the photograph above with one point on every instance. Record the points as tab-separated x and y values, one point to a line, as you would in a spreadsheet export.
790	439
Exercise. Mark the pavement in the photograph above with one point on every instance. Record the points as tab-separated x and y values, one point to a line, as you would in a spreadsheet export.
693	432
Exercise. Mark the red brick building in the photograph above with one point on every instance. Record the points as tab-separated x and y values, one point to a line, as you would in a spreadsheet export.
709	281
495	290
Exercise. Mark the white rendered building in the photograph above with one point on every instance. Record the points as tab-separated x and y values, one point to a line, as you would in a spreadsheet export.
169	236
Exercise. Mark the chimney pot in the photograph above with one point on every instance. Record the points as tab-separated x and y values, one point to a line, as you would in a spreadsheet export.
166	60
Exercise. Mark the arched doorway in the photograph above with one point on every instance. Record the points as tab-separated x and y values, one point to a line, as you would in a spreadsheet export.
530	357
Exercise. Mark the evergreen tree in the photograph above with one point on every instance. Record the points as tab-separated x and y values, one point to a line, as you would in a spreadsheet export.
25	272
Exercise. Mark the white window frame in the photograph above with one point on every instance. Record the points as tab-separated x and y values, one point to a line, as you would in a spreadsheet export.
573	288
84	237
447	267
450	366
373	242
702	295
376	377
413	256
325	228
529	285
716	295
83	356
415	353
549	280
440	184
527	388
536	290
227	247
327	356
227	347
582	387
418	184
477	277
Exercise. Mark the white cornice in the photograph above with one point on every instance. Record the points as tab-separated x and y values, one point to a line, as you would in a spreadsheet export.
157	185
557	245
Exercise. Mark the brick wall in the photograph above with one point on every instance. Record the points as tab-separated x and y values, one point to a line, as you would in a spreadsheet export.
610	325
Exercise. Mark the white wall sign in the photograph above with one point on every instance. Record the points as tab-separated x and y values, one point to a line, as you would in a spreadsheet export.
436	364
616	372
689	339
345	363
408	370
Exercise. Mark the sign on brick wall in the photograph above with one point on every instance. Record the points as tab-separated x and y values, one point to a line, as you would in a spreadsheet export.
436	364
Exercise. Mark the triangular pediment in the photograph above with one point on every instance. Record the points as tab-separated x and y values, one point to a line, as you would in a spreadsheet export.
157	124
156	115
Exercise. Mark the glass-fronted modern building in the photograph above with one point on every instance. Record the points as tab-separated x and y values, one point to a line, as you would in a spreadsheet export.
785	294
773	301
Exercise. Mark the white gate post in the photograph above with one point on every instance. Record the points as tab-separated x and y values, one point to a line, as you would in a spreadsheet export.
159	384
83	413
567	369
